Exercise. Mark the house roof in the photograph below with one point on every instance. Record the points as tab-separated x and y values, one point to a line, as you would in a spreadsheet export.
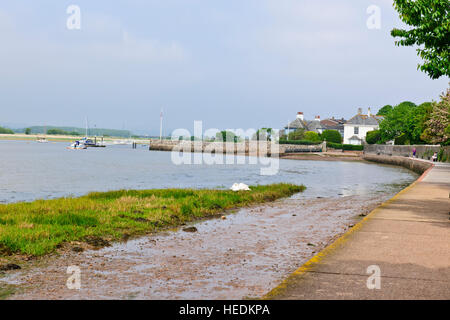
297	124
314	125
308	125
364	119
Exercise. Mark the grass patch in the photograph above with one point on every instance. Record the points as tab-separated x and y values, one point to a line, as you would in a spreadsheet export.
39	227
6	292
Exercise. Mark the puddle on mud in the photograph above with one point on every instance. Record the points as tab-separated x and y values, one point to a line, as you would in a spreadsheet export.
245	255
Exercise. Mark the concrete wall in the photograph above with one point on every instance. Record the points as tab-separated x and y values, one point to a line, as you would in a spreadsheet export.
414	165
256	148
422	151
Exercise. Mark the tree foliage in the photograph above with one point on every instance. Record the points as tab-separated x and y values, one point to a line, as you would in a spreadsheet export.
311	136
407	121
385	110
331	136
430	31
373	137
297	134
6	131
226	136
437	125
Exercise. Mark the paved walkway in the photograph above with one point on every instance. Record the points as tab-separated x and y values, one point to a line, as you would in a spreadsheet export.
408	238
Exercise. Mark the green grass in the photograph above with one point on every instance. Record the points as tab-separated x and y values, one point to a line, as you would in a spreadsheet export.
39	227
6	292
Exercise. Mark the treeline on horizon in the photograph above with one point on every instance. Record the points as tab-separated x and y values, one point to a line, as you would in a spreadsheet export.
72	131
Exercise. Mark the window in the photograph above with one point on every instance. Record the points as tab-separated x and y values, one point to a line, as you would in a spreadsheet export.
356	130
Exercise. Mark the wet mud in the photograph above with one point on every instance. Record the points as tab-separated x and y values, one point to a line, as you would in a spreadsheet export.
242	255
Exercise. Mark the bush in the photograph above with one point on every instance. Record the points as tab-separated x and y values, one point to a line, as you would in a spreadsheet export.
302	142
353	147
297	135
311	136
6	131
332	136
334	145
373	137
401	140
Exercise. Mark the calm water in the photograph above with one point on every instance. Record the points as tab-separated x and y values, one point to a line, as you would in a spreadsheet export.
30	170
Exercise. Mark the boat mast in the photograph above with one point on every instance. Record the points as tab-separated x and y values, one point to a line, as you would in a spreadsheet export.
160	125
86	127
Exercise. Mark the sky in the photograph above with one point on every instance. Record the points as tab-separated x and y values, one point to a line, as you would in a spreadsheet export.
231	64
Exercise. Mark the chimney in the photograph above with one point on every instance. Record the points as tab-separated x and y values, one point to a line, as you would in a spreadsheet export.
300	115
359	110
368	112
317	118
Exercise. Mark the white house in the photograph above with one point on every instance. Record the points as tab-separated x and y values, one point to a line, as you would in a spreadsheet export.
355	130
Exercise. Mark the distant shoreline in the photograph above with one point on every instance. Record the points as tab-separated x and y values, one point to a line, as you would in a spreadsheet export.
61	138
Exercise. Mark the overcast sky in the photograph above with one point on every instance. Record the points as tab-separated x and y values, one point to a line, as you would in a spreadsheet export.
231	63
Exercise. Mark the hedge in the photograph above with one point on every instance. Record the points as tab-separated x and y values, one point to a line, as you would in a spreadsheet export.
341	146
302	142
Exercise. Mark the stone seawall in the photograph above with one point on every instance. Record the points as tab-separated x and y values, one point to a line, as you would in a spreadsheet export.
417	166
422	151
252	148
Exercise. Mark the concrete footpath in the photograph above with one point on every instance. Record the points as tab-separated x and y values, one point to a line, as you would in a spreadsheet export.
407	238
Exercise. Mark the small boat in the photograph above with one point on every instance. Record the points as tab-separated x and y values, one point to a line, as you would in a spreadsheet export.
93	143
77	146
41	140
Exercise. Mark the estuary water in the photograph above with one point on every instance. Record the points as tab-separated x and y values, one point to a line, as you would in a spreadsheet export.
31	170
243	255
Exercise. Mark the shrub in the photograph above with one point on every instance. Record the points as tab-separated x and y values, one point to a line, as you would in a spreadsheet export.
297	135
311	136
354	147
373	137
332	136
401	140
334	145
301	142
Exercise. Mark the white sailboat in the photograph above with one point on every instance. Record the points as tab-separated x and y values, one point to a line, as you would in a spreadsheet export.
43	139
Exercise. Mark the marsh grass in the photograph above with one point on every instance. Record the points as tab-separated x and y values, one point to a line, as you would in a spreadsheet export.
39	227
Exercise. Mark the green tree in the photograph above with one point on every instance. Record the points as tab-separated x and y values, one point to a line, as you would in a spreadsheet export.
331	136
6	131
297	134
437	126
57	131
397	121
226	136
373	137
311	136
429	23
264	134
385	110
28	131
406	123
